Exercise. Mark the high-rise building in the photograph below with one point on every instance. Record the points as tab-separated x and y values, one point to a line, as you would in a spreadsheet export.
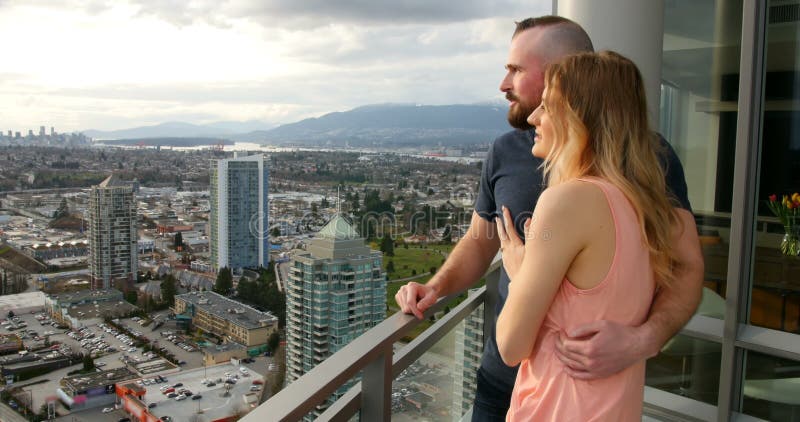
41	131
112	234
336	291
468	352
239	213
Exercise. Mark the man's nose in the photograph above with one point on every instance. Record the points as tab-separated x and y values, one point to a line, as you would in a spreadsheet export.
505	84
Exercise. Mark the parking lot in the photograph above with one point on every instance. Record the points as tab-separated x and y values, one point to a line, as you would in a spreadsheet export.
218	398
93	337
112	347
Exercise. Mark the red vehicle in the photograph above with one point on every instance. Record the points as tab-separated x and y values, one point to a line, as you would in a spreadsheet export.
169	390
258	382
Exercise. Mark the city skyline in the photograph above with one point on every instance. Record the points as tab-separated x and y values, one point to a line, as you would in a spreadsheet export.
109	66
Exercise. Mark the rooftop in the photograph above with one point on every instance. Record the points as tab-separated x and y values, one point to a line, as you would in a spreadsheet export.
81	383
112	181
228	309
338	228
21	301
83	295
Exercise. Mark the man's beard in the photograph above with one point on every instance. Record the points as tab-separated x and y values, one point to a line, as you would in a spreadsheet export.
518	115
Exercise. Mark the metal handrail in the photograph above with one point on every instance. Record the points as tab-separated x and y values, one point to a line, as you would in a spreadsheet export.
373	353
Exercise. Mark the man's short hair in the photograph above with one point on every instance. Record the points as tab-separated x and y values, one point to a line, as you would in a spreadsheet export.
572	38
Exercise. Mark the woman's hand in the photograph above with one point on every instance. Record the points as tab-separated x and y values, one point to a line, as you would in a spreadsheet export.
510	243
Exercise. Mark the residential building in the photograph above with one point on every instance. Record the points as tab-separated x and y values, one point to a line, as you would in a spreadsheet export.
227	318
113	249
336	291
468	351
239	213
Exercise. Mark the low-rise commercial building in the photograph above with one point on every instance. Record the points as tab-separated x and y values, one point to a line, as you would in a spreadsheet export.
59	306
93	390
227	318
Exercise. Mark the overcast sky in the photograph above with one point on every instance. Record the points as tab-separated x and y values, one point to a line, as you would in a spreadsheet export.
94	64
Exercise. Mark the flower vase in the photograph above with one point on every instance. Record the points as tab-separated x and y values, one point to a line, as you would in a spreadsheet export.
790	245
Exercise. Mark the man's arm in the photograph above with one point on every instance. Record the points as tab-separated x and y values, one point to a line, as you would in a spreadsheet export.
603	348
465	265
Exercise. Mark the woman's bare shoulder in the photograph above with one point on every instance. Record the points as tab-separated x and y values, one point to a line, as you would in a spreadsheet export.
573	197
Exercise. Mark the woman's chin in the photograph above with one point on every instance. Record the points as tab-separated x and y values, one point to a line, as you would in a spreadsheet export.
537	152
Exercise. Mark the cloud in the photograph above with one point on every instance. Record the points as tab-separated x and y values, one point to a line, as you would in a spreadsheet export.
303	15
95	63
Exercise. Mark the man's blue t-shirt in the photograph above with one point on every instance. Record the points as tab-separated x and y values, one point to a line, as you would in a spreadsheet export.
512	176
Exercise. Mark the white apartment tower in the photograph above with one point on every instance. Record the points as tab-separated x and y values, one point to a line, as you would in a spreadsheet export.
239	213
112	234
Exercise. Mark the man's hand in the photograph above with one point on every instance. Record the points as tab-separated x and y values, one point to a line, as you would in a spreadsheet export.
465	265
415	298
600	349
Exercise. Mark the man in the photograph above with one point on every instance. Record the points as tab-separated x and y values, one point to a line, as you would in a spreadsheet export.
511	177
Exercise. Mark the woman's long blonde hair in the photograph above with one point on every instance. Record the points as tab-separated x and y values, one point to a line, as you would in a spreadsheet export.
599	112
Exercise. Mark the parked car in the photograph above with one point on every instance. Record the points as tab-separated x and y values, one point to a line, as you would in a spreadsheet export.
197	397
152	405
108	409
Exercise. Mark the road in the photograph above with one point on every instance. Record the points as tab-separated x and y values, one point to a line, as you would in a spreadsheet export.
8	414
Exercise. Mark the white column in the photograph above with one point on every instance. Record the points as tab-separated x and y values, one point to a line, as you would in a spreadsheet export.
633	28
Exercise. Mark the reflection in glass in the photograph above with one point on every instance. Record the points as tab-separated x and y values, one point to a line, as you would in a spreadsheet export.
428	388
775	294
771	388
690	366
700	76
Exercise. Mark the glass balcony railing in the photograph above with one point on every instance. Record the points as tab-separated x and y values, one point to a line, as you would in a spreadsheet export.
432	376
375	358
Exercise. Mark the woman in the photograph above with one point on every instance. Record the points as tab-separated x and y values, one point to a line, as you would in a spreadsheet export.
598	243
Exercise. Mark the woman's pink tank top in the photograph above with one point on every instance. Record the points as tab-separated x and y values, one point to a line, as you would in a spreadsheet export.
543	391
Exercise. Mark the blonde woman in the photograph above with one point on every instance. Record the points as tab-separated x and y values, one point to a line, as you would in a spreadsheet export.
598	244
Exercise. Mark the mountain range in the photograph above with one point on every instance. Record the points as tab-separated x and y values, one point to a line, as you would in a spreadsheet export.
372	125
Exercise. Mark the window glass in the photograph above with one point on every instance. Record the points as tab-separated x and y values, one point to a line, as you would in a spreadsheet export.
775	290
771	388
698	114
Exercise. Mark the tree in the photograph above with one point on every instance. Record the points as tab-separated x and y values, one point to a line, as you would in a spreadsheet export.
387	245
131	296
275	232
224	282
168	289
178	241
390	267
88	362
447	236
63	209
273	341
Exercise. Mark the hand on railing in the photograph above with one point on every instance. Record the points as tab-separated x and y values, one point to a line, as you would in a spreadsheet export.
415	298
